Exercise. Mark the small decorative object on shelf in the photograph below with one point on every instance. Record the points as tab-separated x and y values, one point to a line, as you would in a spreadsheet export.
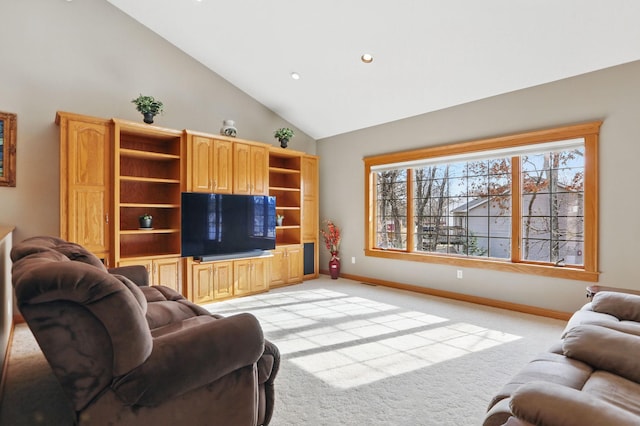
148	106
145	221
279	219
332	238
229	128
284	134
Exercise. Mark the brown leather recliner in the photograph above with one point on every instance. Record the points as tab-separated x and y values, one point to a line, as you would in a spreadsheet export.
131	354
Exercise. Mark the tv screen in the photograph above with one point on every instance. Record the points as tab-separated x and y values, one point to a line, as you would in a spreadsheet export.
216	225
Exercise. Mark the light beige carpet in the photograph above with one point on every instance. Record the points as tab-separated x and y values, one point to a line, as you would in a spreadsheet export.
352	354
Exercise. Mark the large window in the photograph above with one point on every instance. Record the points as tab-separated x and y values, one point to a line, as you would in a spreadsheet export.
524	203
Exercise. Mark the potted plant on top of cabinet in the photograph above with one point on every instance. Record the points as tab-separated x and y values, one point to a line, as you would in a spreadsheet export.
148	106
283	134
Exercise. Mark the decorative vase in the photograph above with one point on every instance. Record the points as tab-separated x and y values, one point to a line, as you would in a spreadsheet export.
334	266
283	142
279	220
229	128
148	117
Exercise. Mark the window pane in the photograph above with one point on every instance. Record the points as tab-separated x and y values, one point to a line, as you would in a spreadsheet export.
461	207
391	202
553	207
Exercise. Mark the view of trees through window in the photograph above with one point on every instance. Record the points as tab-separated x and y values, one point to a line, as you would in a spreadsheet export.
465	208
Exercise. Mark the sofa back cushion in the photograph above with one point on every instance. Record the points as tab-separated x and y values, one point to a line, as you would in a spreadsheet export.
623	306
40	244
605	349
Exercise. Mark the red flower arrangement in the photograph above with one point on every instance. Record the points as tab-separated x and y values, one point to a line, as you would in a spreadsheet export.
331	237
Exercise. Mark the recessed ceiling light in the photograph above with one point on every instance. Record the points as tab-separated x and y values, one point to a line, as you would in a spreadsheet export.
295	76
366	58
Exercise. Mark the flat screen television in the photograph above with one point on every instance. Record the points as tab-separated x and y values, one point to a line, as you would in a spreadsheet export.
226	225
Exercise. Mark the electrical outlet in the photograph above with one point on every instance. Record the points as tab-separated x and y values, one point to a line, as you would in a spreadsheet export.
459	274
353	259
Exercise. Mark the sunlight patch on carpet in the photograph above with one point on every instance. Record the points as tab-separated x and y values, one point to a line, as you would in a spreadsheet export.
348	341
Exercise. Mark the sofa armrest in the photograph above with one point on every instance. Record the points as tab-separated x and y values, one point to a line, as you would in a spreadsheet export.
192	357
269	363
136	273
624	306
549	404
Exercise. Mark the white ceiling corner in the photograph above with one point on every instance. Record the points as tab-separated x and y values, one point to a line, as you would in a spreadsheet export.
428	54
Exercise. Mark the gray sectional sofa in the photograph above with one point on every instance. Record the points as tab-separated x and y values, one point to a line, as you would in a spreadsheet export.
590	377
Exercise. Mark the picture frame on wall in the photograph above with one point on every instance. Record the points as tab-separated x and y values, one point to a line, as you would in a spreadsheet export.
8	127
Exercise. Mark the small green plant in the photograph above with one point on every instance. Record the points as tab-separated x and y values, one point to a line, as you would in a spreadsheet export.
148	105
283	133
146	216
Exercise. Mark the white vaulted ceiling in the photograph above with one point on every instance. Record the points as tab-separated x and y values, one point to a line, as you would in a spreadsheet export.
428	54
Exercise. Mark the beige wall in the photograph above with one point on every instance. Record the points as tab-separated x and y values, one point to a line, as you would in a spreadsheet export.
612	95
88	57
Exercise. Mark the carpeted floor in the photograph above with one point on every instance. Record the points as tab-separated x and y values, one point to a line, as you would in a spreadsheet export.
352	354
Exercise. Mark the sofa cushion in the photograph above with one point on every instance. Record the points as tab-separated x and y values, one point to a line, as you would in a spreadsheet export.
605	349
48	245
542	403
615	390
201	351
587	316
624	306
166	306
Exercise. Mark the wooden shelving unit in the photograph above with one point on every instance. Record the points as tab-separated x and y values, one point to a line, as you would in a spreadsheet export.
113	171
148	179
284	184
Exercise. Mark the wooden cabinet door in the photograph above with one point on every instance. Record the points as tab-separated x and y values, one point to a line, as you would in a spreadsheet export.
168	272
294	264
242	277
286	265
202	155
259	170
202	283
251	275
223	167
222	280
85	170
261	274
250	169
279	270
241	168
211	165
309	175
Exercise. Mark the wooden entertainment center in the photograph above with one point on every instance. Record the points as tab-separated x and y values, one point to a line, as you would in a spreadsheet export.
112	171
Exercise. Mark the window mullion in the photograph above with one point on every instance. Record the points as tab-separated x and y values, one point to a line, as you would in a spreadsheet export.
410	210
372	219
591	203
516	209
